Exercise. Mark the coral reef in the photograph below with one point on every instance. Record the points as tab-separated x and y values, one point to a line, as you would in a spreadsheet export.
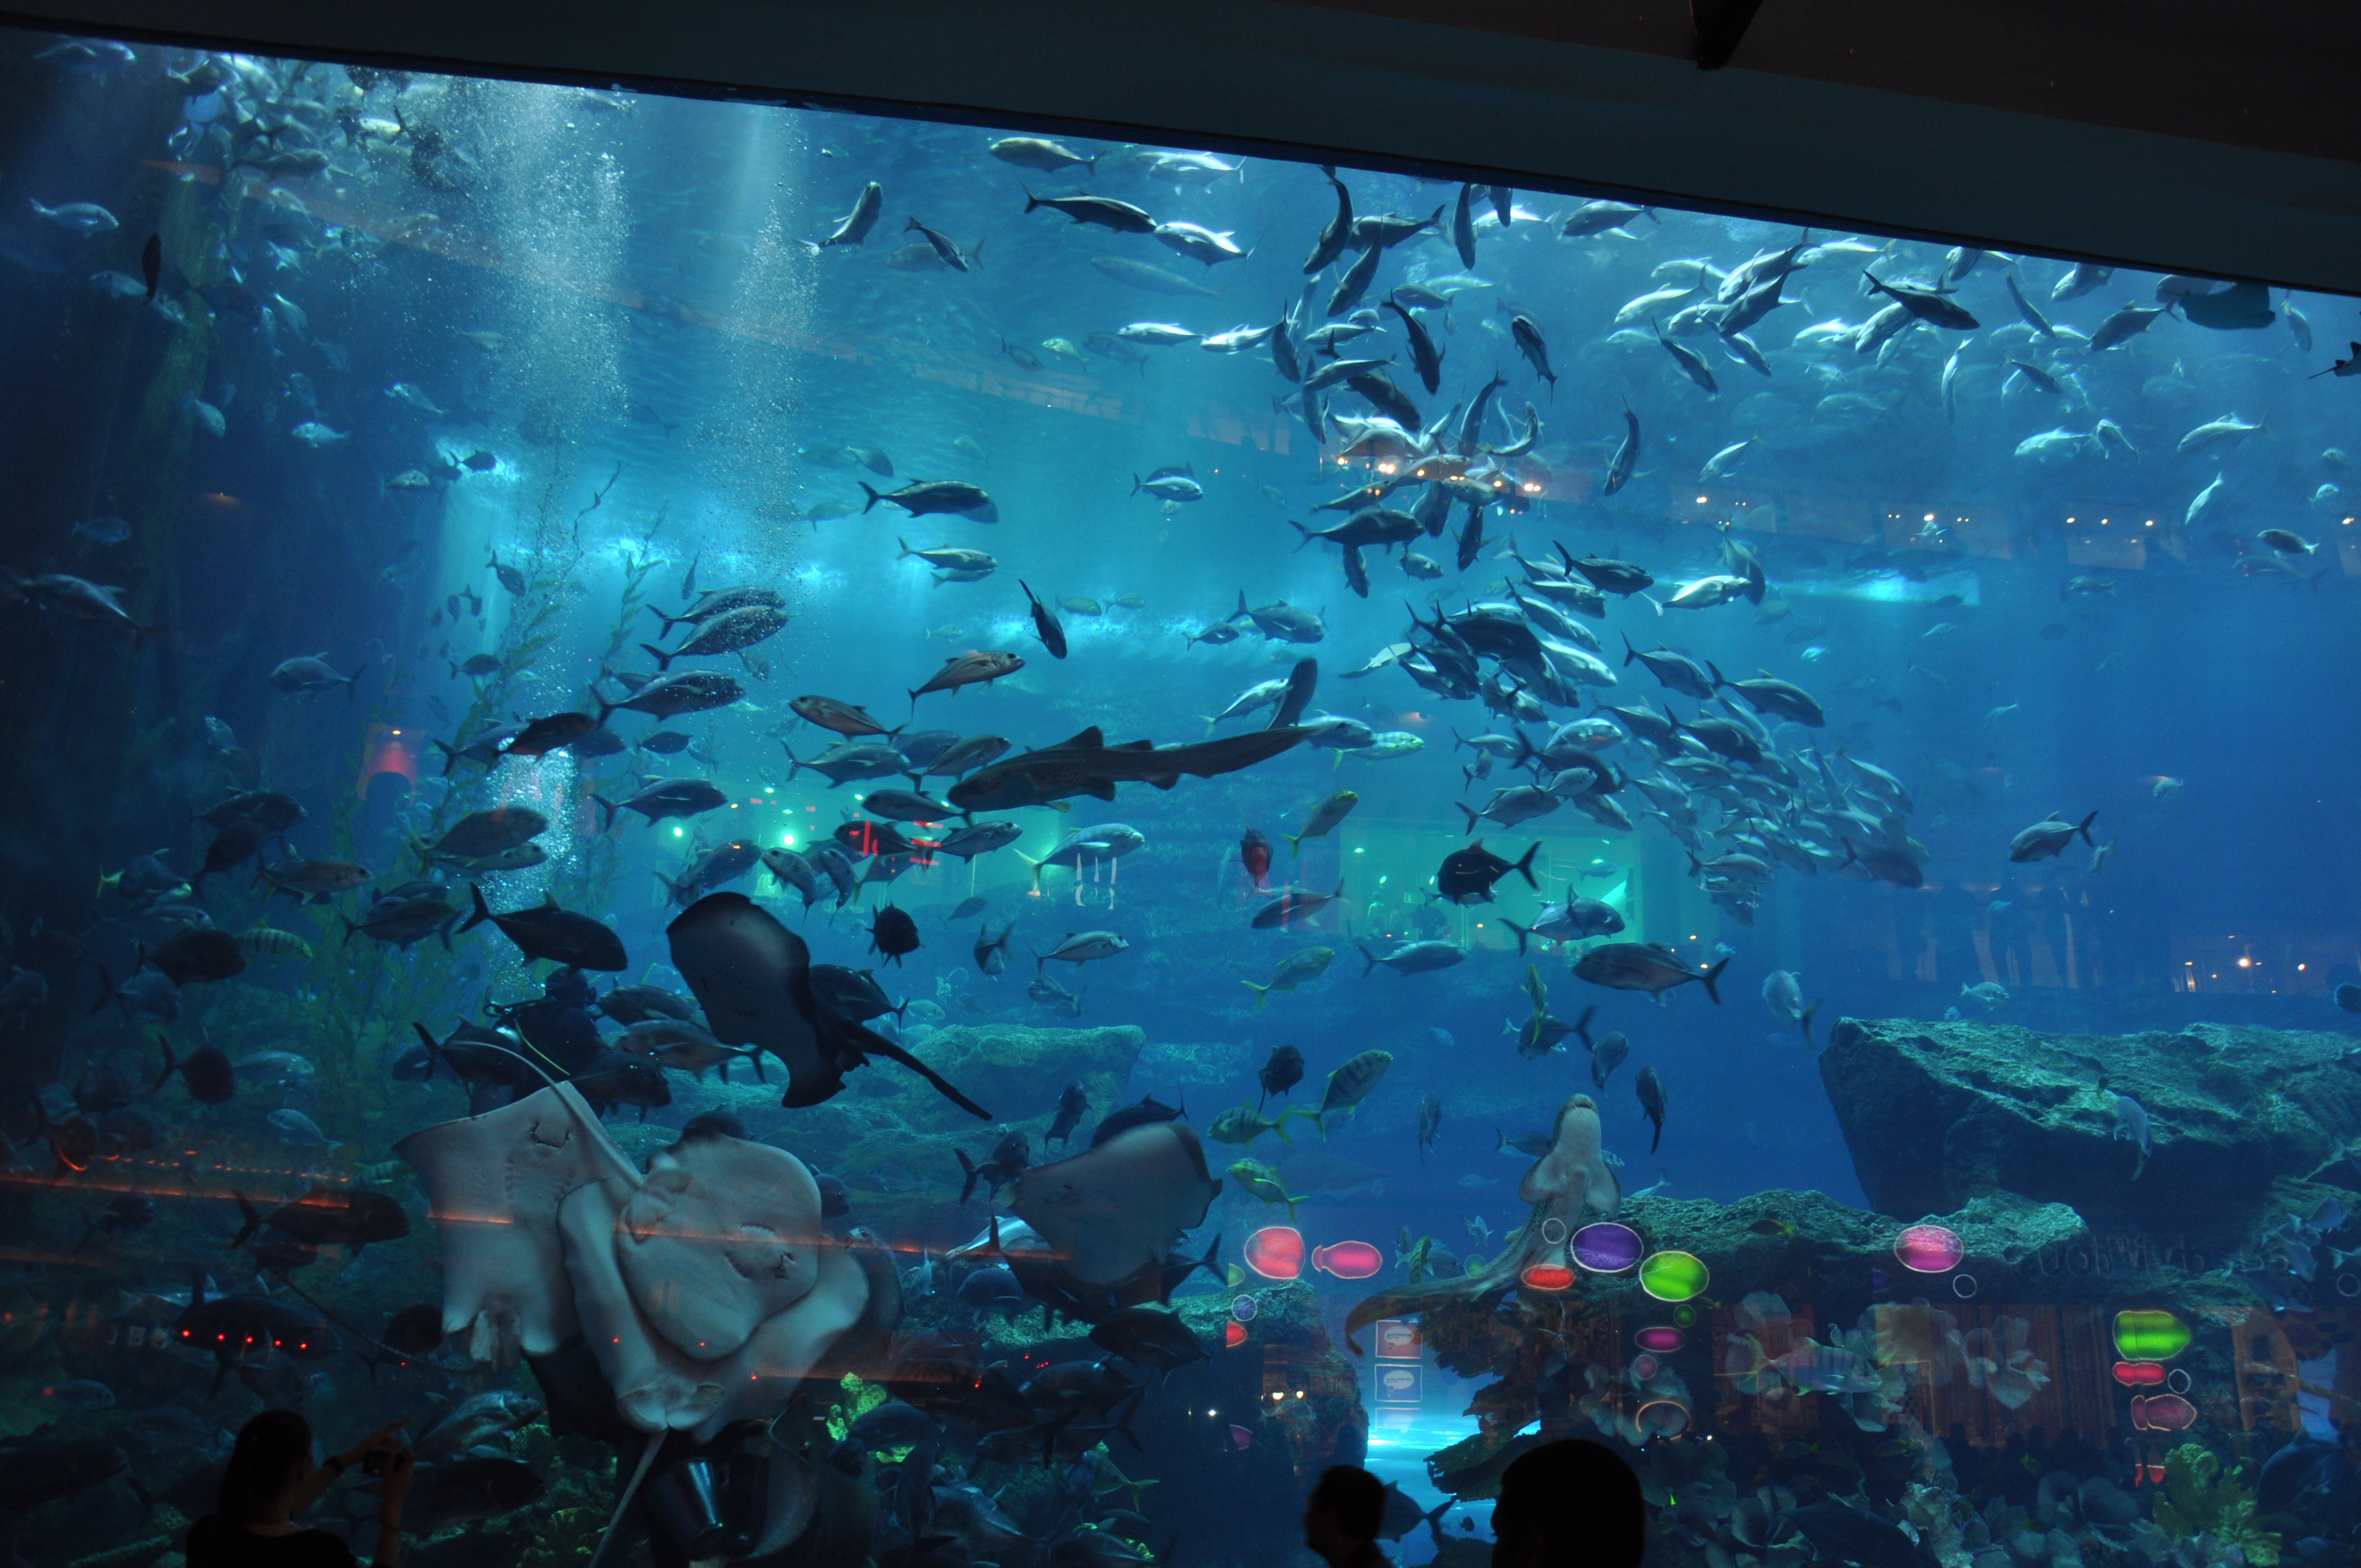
1935	1114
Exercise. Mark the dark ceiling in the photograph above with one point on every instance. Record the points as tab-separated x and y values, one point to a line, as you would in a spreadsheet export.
2218	139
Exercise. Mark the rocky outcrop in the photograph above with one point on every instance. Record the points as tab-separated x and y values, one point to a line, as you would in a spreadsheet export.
1940	1115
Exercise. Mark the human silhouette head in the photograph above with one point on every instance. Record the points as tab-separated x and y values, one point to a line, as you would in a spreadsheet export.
1569	1504
1344	1513
273	1453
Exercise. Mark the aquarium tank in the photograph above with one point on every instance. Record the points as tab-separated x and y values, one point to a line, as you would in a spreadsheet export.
1632	822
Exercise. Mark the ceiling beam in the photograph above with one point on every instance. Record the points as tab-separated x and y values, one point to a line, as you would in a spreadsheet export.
2160	135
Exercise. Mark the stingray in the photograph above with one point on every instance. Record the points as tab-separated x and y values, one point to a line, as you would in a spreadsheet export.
1110	1213
752	978
494	1183
707	1291
1570	1179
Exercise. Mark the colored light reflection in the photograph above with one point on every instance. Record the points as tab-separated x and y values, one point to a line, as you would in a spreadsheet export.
1644	1366
1348	1260
1662	1418
1608	1248
1276	1251
1546	1276
2149	1336
388	750
1663	1339
2162	1412
1236	1335
1929	1249
2139	1374
1243	1308
1674	1276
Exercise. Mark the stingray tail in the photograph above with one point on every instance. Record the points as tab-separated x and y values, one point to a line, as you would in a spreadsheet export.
873	1041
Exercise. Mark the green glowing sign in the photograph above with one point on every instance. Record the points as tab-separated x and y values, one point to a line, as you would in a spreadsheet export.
2149	1336
1673	1275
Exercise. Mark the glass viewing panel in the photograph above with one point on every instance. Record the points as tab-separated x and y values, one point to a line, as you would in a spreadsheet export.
1630	823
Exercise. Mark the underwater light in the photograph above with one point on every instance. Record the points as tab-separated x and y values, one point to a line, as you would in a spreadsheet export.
2162	1412
2150	1335
1662	1339
1929	1249
1546	1276
1276	1251
1608	1248
1674	1276
1662	1418
1348	1260
2139	1374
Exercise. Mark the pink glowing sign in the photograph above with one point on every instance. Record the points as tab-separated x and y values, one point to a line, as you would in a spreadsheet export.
1929	1249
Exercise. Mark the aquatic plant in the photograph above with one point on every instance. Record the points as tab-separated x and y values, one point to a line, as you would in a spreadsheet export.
1759	1519
2201	1500
568	1536
1945	1524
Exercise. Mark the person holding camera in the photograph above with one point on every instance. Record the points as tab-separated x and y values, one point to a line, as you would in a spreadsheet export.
272	1479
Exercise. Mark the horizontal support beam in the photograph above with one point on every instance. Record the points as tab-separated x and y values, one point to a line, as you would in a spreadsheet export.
2163	137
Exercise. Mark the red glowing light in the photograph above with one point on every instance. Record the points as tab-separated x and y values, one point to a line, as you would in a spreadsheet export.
2139	1374
1547	1277
387	751
1276	1251
1348	1260
1234	1336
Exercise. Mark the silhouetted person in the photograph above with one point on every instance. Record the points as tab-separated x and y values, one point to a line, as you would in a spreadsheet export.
1569	1504
270	1479
1342	1517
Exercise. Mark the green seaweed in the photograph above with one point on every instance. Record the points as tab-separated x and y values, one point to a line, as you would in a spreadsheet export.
352	1006
2198	1499
567	1536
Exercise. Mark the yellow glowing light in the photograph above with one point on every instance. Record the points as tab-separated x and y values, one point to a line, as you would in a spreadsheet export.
2246	963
